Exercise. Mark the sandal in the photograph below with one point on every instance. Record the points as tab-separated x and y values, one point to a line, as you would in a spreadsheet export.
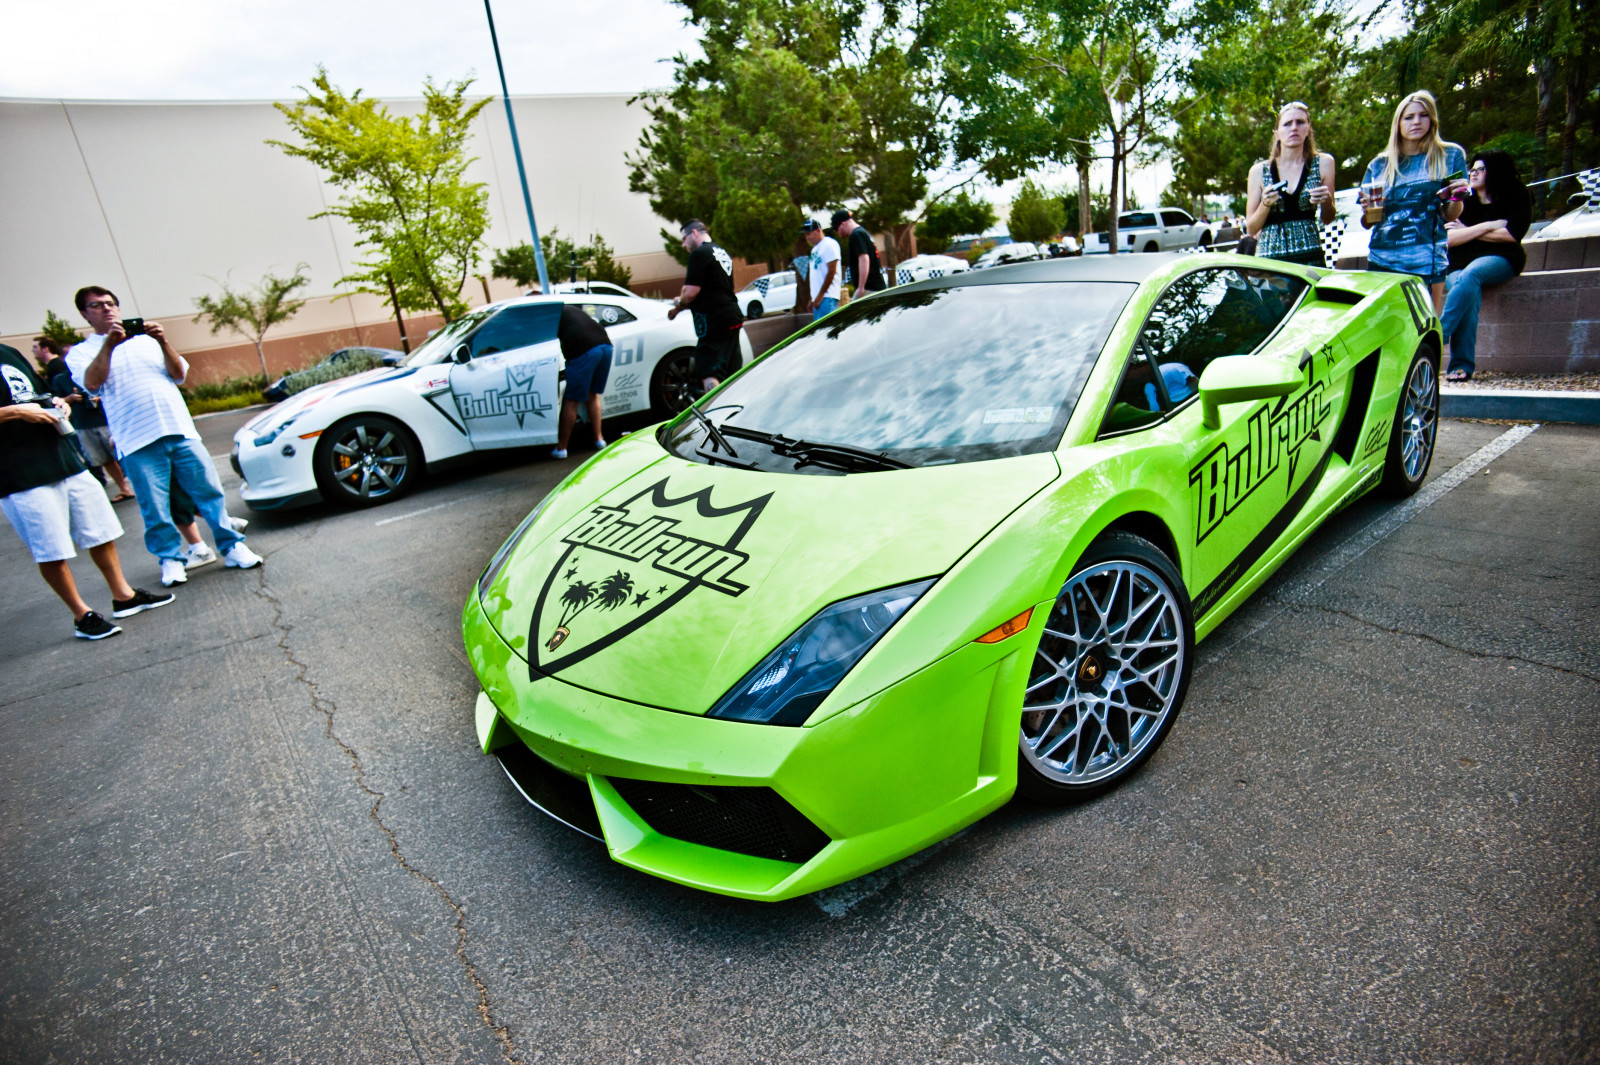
121	498
1458	375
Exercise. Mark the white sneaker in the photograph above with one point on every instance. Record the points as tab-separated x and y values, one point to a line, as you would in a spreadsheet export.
599	445
558	452
241	557
236	524
200	555
172	572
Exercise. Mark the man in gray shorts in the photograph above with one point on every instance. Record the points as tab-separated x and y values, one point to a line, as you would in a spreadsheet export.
53	503
94	434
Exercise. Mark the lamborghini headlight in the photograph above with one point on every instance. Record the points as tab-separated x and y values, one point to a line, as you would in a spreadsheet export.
793	680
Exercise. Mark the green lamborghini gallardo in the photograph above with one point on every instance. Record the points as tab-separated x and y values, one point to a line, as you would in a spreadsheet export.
956	541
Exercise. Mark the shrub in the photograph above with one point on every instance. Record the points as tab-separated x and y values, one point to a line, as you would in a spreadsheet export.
353	363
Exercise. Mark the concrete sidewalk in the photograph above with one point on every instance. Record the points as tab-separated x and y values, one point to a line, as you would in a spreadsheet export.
1520	404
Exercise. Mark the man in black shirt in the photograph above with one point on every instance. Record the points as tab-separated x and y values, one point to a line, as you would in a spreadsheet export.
708	285
587	349
93	438
53	503
861	257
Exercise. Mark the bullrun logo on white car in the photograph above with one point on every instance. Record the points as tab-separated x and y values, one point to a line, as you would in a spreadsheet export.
627	563
519	397
724	260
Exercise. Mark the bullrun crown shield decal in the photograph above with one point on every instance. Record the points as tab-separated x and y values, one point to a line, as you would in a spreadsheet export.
625	564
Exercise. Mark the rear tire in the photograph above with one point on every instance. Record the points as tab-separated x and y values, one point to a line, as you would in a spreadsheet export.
756	310
672	385
1416	426
1152	246
1109	675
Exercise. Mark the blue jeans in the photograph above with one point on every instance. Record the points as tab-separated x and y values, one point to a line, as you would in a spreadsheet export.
825	308
153	469
1463	297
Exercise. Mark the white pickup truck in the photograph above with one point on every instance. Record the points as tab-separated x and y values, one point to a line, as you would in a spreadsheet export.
1167	229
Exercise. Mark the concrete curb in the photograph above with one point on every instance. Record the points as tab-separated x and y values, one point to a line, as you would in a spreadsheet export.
1520	404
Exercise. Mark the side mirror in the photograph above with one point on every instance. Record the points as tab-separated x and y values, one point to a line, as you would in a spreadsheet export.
462	353
1578	199
1241	378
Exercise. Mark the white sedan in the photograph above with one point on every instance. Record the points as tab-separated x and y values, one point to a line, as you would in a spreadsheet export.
769	292
922	267
488	380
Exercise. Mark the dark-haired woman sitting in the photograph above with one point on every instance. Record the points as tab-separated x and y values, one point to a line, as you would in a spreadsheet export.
1485	250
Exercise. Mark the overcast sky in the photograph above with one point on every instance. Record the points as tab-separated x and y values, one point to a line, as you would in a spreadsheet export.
228	50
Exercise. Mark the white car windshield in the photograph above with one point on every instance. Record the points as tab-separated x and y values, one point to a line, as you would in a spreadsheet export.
438	346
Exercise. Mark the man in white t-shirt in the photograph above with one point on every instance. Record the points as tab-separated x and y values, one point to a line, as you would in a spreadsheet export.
823	269
137	380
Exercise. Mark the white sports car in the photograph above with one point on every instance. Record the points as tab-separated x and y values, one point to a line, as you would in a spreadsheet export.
769	292
923	267
490	379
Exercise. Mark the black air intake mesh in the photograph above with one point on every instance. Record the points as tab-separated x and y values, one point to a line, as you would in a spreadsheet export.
755	821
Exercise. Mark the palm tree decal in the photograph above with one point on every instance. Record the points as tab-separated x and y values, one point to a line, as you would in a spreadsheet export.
574	601
615	590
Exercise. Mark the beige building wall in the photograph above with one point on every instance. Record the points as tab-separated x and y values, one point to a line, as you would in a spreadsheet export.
153	200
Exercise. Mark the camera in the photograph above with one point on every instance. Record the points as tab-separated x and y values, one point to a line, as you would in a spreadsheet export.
1280	187
134	327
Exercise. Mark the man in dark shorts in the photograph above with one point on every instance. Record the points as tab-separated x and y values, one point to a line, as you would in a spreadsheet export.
53	503
708	285
587	349
861	258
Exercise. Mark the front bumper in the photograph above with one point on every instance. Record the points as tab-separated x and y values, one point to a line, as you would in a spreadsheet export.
877	781
273	480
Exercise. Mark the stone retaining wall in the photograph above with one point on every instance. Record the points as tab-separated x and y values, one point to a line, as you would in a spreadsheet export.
1547	319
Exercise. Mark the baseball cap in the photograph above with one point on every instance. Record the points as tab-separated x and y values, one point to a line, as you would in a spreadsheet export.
839	216
810	224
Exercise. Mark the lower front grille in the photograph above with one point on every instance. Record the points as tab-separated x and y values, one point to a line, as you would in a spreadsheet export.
754	821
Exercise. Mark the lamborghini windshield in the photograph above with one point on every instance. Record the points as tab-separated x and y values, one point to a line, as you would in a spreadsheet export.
914	378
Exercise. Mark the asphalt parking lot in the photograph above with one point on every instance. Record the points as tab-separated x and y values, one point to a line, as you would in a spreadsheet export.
256	826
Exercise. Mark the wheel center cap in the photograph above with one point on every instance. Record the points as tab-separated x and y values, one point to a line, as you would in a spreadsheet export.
1092	671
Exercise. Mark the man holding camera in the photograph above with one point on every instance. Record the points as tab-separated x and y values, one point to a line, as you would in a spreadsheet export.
136	374
53	503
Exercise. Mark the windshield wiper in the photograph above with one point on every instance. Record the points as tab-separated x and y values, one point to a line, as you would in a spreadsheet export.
809	453
712	432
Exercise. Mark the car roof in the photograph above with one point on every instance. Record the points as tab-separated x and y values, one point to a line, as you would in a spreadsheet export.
1134	267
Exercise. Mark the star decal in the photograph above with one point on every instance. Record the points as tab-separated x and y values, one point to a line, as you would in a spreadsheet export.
661	590
570	573
640	599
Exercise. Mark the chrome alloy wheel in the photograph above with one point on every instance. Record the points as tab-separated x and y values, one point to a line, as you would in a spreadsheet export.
1107	674
1419	418
370	463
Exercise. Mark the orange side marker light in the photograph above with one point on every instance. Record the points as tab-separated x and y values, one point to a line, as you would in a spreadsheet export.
1007	629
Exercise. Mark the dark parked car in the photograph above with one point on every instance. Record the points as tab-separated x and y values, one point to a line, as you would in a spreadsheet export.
278	391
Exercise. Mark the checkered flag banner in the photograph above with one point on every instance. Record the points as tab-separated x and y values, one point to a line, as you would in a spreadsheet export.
905	277
1590	181
762	283
1333	238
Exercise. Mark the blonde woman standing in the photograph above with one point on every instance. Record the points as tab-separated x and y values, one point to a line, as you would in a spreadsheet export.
1290	191
1410	192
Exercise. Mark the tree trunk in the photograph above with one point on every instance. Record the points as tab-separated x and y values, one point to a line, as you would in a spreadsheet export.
1541	128
394	301
262	355
1569	130
1117	160
1085	200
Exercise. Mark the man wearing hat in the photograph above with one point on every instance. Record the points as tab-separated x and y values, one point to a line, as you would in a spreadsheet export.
864	272
708	285
823	270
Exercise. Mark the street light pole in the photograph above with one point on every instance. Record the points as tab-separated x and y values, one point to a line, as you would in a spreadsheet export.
516	149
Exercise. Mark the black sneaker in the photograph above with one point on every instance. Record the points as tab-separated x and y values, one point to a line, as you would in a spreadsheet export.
94	627
141	601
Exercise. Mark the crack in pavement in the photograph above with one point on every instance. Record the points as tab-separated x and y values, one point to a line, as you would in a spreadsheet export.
327	708
1447	646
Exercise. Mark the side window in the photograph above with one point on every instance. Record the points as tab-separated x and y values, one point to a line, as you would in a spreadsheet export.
1205	315
1175	218
607	314
516	327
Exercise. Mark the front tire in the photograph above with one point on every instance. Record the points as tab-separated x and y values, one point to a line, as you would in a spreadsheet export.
672	385
1110	673
1416	427
366	460
756	310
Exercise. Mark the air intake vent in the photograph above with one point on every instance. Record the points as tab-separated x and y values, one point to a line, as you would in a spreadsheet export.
754	821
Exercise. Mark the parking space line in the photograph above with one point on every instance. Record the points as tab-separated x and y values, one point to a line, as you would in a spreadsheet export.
1363	540
411	514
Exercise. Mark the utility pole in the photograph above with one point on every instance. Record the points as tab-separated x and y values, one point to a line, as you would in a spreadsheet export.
516	149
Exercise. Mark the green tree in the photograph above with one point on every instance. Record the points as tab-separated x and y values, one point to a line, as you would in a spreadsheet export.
944	220
1034	216
57	329
251	312
594	260
421	222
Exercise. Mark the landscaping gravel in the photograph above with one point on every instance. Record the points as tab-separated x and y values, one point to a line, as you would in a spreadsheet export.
1570	382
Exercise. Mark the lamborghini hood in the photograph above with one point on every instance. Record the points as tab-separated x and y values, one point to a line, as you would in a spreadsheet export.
663	581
